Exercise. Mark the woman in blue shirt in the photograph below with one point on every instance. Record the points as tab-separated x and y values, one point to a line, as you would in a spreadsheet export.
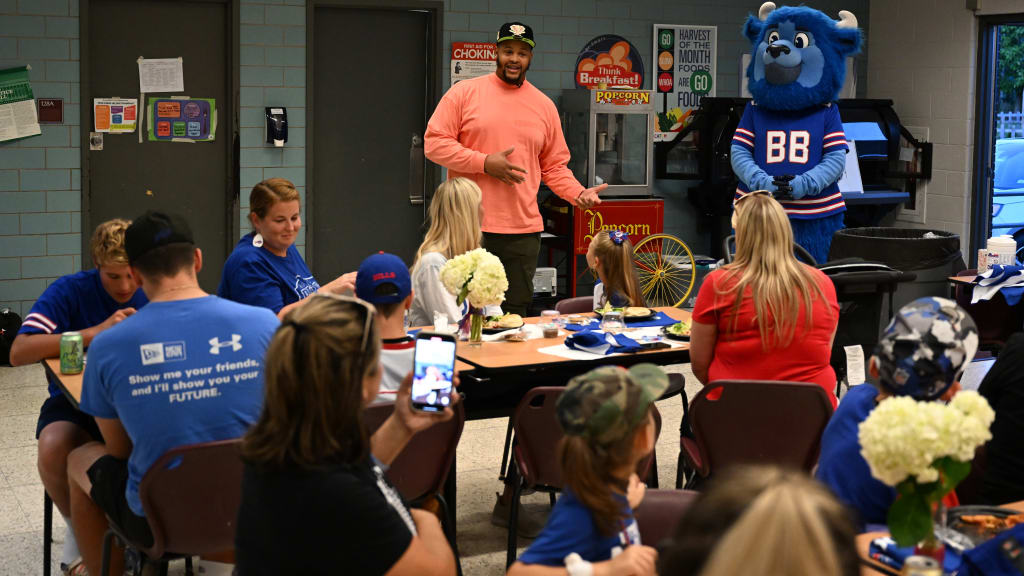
266	269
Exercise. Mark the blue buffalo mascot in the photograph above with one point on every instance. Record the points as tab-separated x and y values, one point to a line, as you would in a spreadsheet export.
790	140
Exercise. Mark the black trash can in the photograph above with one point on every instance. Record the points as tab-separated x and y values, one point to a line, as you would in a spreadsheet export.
933	255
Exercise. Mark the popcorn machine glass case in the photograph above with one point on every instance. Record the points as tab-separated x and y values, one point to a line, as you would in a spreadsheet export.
609	137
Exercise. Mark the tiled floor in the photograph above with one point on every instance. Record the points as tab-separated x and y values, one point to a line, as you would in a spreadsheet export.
22	391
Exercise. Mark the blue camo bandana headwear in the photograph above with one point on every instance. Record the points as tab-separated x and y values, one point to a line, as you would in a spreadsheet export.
925	348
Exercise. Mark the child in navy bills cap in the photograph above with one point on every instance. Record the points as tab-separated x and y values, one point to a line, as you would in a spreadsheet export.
921	354
609	428
383	280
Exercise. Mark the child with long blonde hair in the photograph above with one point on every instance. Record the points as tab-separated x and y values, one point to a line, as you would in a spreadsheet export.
607	416
454	217
610	256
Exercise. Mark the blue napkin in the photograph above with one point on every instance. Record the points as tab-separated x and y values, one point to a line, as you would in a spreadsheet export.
601	343
999	556
886	551
1006	280
659	319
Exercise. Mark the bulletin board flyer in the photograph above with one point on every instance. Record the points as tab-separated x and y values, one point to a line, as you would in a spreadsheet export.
115	115
181	119
17	105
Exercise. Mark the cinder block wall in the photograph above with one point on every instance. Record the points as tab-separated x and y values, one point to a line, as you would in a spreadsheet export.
273	73
924	57
40	198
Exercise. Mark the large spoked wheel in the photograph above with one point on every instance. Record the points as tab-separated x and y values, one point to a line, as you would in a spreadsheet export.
666	268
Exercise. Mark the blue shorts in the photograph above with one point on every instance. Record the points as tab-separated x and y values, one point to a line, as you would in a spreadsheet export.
59	409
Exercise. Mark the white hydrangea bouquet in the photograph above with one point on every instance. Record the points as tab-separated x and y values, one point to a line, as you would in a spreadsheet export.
923	449
479	278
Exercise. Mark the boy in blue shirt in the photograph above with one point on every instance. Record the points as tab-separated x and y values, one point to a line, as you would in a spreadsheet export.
186	369
88	302
922	353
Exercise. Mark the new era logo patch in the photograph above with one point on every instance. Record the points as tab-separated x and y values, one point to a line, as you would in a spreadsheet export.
160	352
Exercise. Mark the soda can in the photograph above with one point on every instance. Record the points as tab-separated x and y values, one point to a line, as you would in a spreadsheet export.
72	353
921	566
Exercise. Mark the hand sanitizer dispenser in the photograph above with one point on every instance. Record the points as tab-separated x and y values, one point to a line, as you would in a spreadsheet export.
277	126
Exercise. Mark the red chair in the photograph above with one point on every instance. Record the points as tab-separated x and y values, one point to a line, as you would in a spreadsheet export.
191	497
535	464
420	471
578	305
756	422
660	512
996	320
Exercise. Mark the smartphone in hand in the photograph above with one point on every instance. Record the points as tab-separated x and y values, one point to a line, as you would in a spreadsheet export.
433	371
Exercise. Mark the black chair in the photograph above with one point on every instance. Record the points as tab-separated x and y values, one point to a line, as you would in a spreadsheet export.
729	248
860	289
660	512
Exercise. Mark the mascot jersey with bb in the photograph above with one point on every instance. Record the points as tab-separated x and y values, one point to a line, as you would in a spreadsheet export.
785	142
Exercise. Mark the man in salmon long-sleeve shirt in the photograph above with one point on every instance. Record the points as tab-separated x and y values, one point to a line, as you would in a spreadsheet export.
505	134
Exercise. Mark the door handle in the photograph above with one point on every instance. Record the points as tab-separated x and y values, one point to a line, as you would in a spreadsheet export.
416	170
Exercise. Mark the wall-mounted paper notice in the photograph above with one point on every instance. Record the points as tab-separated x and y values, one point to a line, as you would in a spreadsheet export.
161	75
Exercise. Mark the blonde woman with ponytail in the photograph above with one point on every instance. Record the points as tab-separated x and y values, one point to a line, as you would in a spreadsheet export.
763	521
609	428
454	214
765	316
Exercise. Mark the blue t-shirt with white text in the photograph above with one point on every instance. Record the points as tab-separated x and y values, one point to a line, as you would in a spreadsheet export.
178	373
73	303
571	528
256	276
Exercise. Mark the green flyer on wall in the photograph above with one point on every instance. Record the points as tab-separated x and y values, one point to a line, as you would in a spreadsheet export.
17	105
181	119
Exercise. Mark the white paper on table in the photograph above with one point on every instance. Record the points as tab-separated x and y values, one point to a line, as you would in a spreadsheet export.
161	75
850	180
975	373
532	332
854	365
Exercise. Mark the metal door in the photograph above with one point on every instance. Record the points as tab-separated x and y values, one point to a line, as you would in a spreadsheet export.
127	178
373	88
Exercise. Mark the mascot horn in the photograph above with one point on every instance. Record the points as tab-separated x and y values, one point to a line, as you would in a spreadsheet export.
790	140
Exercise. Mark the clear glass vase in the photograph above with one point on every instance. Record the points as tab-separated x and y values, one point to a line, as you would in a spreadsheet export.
931	546
471	328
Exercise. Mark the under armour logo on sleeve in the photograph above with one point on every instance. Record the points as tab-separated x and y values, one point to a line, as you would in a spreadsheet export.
235	343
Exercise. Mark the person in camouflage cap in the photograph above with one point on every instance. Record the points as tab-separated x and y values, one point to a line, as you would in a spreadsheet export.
607	416
925	348
608	402
921	354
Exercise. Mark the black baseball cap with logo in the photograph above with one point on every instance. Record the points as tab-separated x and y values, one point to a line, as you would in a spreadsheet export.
516	31
153	230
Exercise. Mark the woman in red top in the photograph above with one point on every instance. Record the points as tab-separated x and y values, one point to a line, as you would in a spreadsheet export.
782	326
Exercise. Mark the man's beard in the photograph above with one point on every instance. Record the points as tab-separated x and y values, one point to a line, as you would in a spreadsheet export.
518	81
